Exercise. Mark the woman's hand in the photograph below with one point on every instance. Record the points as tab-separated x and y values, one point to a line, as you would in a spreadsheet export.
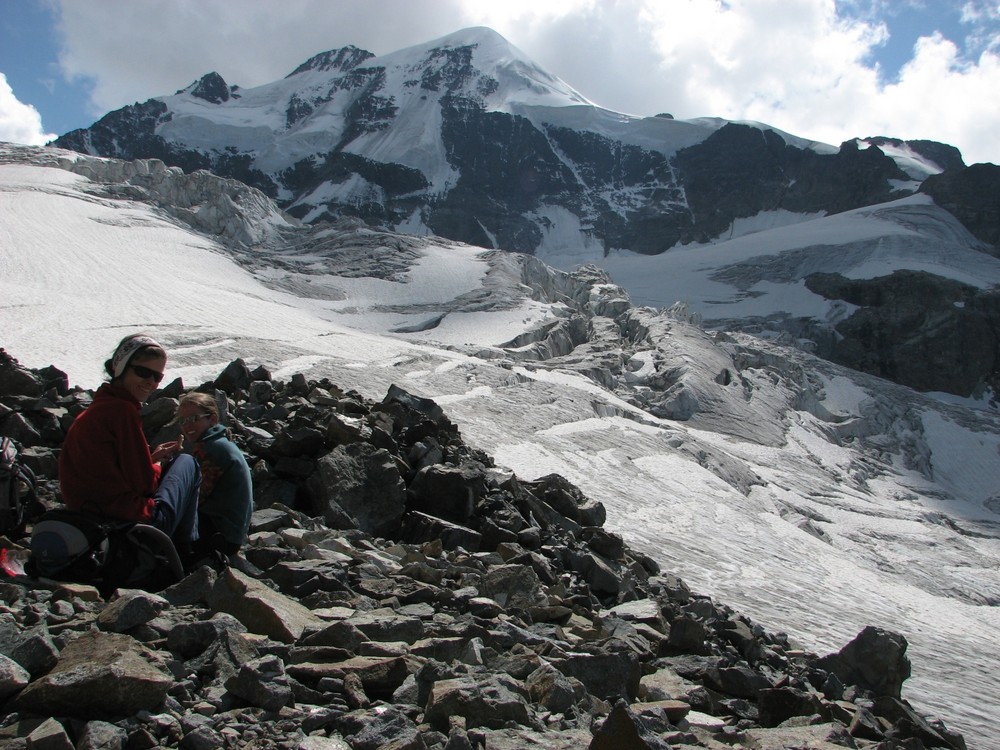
167	450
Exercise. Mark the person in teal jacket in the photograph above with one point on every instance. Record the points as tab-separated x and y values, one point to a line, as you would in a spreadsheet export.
226	500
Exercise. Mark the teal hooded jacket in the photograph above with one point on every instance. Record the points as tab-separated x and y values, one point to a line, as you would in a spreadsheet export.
226	500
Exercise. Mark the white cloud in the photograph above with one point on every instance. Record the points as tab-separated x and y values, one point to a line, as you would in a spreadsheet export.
938	92
19	122
801	67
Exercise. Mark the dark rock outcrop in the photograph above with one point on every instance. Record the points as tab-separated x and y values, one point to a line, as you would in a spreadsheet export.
211	88
972	194
741	170
875	660
917	329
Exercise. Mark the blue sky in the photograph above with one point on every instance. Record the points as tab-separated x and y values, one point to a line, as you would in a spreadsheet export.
815	68
29	53
906	23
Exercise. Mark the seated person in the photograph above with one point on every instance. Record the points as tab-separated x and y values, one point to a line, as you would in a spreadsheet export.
106	466
226	501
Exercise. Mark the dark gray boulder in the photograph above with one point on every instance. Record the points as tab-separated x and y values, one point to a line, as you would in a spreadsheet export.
875	660
364	483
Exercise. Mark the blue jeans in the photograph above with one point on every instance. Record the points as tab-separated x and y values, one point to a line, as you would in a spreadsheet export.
176	499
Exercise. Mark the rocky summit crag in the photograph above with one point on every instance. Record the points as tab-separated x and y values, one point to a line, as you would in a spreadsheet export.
400	591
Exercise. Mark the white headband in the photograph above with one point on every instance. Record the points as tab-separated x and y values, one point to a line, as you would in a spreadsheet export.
125	351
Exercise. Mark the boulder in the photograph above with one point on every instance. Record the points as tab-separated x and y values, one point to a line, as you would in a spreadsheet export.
33	648
560	494
875	660
623	730
189	639
552	689
448	492
49	735
908	724
608	675
512	586
822	736
129	609
16	380
739	680
234	378
13	677
421	527
98	674
380	676
388	729
482	700
223	657
101	735
777	705
263	683
260	608
362	482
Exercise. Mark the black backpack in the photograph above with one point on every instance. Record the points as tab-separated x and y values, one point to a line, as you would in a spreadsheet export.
106	553
18	498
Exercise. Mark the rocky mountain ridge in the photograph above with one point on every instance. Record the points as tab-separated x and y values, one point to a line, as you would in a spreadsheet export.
466	138
399	591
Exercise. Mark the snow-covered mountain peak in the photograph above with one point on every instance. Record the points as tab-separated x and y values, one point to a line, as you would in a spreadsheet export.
481	64
387	108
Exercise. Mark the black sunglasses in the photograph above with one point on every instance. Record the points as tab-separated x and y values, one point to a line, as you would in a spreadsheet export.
145	373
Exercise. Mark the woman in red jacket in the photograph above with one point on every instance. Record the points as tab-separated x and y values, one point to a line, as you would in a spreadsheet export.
106	467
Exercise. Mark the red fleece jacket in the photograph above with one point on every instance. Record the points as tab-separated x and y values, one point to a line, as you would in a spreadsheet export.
105	466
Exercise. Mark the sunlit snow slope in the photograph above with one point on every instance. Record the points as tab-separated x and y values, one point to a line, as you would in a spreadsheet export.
814	499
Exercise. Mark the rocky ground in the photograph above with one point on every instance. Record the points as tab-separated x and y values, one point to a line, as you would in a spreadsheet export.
399	591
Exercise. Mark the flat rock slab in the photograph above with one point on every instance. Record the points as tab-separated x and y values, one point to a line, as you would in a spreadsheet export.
260	608
98	674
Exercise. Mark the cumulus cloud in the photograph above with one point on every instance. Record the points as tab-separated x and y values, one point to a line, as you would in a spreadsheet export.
940	96
800	67
803	67
19	122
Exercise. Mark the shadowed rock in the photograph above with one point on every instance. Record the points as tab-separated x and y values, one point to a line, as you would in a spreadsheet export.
875	660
